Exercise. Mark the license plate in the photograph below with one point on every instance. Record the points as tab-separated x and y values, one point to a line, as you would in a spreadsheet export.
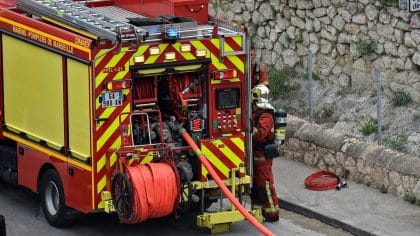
112	99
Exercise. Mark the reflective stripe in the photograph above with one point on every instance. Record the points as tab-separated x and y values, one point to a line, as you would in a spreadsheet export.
259	158
267	188
271	210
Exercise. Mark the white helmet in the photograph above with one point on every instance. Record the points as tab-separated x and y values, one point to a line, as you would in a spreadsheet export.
259	95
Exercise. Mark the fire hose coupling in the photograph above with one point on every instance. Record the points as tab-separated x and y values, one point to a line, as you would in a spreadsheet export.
181	130
341	184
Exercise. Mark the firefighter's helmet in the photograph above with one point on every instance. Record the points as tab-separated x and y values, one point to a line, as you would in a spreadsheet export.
259	96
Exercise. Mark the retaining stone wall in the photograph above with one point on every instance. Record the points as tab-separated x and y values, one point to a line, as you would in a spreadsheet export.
282	31
366	163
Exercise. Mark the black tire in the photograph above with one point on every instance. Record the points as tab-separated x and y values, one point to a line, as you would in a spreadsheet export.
52	199
2	225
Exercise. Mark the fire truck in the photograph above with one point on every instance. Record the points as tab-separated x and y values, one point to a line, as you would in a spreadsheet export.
134	107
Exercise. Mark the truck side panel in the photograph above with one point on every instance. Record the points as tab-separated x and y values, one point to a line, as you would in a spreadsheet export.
78	109
76	180
34	95
30	162
33	92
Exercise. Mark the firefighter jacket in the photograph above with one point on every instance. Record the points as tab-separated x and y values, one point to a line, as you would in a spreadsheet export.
264	130
263	193
259	74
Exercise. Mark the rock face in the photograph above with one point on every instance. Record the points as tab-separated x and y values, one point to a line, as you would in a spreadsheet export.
366	163
350	40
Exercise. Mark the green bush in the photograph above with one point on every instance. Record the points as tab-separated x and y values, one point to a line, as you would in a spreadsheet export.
392	3
397	143
280	84
401	98
410	197
369	127
383	189
365	47
385	3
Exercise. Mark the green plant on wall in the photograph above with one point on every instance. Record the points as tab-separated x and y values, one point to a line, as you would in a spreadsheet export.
410	197
400	98
369	126
385	3
365	47
392	3
397	143
280	83
287	39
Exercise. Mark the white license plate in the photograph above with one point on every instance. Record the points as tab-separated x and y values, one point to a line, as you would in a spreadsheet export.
112	99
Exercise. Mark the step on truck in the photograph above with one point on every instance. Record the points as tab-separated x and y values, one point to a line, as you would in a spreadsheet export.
134	107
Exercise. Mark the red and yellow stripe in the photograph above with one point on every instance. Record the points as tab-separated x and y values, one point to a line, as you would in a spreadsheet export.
224	154
107	133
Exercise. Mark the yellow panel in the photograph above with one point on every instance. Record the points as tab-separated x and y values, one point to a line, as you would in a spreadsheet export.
33	91
78	101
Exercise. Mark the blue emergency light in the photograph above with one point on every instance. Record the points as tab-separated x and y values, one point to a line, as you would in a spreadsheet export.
172	32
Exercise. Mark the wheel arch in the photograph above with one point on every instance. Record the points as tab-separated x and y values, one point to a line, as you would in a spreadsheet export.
42	170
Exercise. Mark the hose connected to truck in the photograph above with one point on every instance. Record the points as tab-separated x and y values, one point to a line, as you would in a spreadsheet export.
219	182
150	190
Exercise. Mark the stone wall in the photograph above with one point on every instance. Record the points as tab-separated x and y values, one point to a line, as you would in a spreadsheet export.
362	162
283	30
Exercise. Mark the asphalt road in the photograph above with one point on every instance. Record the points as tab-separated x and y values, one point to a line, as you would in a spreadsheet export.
23	217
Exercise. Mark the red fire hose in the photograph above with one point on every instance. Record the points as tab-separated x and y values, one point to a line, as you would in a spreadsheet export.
219	182
322	180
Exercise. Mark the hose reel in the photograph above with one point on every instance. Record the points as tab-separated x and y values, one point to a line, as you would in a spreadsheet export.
151	191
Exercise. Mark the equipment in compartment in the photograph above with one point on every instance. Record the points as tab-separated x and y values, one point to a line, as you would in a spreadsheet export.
179	99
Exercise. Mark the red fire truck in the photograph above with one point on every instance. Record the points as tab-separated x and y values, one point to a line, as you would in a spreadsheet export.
138	107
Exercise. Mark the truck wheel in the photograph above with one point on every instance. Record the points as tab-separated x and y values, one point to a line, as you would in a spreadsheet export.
52	199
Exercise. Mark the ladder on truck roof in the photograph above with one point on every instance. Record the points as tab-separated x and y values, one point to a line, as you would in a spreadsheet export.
79	16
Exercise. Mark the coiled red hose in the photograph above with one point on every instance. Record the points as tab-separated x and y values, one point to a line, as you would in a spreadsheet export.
154	189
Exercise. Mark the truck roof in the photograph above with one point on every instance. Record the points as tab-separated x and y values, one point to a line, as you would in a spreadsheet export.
146	21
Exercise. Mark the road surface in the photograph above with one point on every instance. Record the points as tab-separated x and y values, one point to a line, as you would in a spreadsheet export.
23	217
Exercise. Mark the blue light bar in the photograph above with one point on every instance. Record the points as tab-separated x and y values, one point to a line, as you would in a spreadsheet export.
171	33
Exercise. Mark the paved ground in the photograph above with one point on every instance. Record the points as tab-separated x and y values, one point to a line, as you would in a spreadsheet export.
20	207
358	208
363	210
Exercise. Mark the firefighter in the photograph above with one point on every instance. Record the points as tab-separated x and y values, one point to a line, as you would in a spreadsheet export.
259	73
263	193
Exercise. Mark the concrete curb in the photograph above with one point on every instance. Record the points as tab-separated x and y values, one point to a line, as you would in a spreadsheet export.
323	218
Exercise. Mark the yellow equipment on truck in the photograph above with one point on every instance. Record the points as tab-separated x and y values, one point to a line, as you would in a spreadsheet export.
138	107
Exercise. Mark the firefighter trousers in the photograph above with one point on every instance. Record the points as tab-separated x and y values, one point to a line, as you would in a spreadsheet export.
263	193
